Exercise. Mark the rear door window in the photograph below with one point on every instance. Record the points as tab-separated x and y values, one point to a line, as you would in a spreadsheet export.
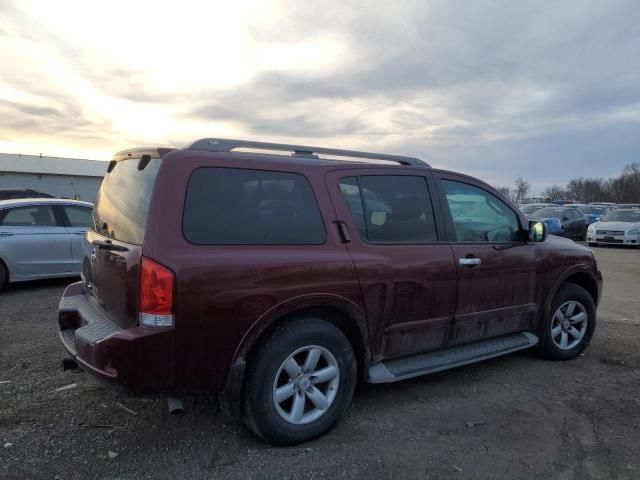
123	201
32	216
232	206
390	209
78	216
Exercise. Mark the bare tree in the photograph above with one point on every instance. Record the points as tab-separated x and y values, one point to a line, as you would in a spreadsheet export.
554	192
521	190
506	191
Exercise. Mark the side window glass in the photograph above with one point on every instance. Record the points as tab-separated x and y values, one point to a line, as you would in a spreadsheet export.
392	209
78	216
34	216
232	206
479	216
350	190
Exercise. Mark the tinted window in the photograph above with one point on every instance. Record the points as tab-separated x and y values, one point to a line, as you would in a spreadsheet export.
350	190
34	216
592	210
227	206
123	201
78	216
479	216
390	208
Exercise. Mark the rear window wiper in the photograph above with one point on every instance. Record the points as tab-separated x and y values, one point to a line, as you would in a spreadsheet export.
109	245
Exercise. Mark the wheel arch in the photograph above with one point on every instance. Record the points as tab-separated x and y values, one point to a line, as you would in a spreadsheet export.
341	312
587	282
581	276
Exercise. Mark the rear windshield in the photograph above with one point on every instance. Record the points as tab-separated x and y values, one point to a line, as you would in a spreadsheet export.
530	208
123	201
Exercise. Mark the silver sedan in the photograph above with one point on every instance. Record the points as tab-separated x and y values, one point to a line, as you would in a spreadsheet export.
620	227
41	238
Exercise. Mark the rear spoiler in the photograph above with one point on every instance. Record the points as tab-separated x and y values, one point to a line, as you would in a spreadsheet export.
143	153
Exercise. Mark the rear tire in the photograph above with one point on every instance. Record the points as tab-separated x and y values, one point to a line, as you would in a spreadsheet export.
4	276
569	326
591	244
288	397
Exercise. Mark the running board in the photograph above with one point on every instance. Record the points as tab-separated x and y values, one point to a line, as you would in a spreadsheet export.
425	363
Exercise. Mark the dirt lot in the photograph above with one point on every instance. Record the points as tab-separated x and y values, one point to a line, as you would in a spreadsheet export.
514	417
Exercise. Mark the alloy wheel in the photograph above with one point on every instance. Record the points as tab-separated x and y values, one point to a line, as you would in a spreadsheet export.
569	325
306	385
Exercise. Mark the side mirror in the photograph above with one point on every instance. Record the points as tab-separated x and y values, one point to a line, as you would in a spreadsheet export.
564	219
537	231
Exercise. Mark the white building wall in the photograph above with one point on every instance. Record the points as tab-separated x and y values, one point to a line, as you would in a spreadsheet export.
67	186
62	177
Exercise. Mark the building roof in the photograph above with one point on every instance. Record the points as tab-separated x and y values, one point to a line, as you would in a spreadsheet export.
16	163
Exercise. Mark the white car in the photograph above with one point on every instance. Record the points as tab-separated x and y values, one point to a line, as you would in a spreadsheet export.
42	238
620	227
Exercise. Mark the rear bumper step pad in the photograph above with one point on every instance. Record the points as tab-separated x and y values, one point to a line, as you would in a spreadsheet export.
96	325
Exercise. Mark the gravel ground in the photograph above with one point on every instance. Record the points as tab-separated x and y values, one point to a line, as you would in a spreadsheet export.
509	418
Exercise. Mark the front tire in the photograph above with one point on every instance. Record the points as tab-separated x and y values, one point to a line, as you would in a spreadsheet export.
300	380
569	327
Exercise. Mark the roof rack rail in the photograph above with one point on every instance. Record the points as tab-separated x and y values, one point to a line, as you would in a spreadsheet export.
227	145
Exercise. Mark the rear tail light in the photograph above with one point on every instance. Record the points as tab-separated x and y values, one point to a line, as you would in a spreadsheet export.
156	295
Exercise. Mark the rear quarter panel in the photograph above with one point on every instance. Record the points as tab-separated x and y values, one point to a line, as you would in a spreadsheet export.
227	295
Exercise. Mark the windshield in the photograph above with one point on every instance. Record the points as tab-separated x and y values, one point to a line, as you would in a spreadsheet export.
123	201
592	210
623	216
549	213
526	209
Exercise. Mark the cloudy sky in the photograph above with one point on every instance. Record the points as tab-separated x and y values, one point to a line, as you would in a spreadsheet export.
546	90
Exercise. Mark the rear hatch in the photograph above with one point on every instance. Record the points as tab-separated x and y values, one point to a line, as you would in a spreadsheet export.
111	269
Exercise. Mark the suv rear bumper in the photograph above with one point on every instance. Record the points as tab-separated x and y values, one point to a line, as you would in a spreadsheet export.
136	359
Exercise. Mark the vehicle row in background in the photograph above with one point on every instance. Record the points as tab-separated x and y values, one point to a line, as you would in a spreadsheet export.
592	213
562	221
598	223
41	238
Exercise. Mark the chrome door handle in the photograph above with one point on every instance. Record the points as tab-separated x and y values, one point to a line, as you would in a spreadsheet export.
6	234
469	262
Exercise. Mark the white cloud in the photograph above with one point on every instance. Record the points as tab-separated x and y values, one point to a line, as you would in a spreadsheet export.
499	89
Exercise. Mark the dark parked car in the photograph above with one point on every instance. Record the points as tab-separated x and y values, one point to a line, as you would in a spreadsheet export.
591	213
15	193
276	281
571	221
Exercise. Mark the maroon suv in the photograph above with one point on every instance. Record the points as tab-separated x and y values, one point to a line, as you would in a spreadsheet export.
277	280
